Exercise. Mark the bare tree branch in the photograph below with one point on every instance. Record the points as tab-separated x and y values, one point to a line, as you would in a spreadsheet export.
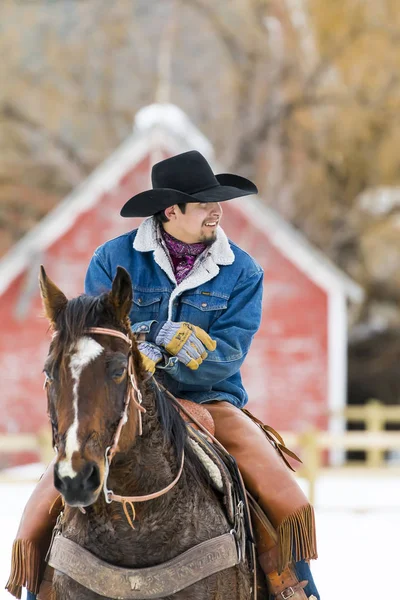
231	41
14	114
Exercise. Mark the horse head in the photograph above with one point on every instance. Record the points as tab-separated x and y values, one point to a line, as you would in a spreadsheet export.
88	379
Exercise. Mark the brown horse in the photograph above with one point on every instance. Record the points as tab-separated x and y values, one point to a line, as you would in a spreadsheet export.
88	374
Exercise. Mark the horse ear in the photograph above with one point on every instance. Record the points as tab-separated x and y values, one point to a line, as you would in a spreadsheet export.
121	293
52	297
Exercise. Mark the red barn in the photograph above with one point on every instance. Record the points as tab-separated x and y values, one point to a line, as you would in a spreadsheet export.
296	371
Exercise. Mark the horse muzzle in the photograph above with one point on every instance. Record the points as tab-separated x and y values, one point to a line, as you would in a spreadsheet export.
78	488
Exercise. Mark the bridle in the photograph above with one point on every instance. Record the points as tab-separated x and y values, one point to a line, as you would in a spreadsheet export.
134	396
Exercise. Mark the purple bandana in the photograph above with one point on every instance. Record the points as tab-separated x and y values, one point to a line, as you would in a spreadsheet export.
183	255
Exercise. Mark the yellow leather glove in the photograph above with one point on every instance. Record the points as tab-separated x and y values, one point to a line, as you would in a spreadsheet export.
151	356
185	341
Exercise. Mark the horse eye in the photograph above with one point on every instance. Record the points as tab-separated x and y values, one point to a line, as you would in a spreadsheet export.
116	365
118	374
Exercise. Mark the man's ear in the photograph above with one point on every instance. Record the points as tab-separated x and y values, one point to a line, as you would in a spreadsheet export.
121	294
171	211
53	299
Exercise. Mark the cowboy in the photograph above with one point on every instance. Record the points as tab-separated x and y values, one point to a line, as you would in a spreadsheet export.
197	305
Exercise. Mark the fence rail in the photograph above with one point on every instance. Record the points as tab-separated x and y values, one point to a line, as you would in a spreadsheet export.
374	440
311	445
11	443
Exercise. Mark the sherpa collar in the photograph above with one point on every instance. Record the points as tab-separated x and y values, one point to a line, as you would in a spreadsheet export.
146	241
220	253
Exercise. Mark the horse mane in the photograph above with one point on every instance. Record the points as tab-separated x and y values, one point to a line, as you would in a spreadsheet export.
171	422
176	434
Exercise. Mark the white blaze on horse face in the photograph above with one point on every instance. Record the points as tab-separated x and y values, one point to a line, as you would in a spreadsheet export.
86	351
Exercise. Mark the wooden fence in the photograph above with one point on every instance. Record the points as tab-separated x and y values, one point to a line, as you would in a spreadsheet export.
26	442
312	445
374	440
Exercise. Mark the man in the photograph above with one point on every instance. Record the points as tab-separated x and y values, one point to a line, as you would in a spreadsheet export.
196	307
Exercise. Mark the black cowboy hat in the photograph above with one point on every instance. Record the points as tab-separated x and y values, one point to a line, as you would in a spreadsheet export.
185	177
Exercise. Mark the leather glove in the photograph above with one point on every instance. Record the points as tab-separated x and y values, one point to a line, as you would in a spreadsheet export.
151	356
185	341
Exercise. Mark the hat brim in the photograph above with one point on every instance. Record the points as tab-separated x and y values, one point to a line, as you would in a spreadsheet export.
150	202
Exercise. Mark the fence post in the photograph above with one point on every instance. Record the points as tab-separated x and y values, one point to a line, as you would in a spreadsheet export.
311	457
374	421
46	452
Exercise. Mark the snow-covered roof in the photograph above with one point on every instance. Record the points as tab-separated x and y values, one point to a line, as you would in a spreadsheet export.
167	126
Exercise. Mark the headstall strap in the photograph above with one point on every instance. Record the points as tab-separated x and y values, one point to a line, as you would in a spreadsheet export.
112	332
132	389
135	395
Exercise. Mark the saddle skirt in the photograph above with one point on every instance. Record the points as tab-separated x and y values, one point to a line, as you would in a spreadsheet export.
200	414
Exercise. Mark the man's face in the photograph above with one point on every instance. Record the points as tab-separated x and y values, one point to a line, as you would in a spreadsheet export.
197	224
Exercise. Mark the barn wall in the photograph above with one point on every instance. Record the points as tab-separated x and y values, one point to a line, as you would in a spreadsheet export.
25	339
287	368
285	372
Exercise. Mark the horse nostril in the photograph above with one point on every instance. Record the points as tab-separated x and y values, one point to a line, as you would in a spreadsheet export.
59	483
92	477
86	480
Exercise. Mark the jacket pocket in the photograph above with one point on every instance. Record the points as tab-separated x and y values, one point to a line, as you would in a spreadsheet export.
202	310
145	306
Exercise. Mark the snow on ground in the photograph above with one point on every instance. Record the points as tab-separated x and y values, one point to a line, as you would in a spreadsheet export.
358	524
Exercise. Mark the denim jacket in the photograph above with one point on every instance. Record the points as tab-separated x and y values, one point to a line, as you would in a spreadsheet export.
222	294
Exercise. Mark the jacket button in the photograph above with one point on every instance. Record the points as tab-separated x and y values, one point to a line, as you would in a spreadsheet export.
140	300
204	304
